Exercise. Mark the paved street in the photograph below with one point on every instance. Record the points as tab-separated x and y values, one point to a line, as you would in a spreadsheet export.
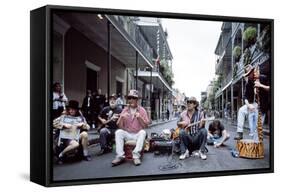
219	159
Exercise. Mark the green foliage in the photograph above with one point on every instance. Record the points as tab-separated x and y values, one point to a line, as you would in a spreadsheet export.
211	97
237	53
167	72
250	35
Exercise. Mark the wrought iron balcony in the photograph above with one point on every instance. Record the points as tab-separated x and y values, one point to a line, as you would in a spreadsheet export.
134	32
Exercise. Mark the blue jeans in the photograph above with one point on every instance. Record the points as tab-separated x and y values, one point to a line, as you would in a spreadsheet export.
214	139
252	118
195	142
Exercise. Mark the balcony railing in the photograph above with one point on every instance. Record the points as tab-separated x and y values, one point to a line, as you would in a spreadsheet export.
234	28
220	61
226	79
133	30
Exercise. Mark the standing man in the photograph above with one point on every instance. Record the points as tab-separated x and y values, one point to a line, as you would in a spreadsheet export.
250	107
132	122
119	100
168	114
88	107
59	100
108	117
99	102
193	134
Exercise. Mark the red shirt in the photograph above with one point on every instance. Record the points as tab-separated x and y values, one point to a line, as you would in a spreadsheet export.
131	123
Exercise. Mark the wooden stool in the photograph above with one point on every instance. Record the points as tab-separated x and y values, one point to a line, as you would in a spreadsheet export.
129	146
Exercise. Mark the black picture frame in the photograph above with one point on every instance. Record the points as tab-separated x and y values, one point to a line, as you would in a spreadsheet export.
41	163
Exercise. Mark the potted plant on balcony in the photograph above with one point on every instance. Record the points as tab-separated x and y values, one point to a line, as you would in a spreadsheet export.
237	53
166	72
250	35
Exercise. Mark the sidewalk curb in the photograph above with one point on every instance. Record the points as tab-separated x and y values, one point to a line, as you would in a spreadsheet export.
160	123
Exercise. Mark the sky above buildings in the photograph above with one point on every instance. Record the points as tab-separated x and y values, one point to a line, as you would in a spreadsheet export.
192	44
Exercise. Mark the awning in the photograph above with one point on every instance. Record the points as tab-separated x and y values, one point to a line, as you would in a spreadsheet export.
219	92
123	47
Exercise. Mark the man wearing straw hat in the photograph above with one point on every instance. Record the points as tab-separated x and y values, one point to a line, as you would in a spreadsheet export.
131	122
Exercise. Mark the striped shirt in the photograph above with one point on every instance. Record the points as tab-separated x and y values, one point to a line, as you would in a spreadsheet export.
197	116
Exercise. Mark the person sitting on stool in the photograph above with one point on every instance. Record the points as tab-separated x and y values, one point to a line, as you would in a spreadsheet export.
132	122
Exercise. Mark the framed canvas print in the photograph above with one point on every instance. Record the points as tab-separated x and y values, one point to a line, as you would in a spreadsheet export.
129	95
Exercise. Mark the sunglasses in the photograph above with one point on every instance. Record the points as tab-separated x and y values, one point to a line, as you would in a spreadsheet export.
129	98
194	102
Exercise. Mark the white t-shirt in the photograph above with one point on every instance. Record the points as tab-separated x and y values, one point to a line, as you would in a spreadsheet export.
56	103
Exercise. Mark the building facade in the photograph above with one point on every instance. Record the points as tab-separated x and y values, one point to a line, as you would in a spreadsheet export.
230	63
93	51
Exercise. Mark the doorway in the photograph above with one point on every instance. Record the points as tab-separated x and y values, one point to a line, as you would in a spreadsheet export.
91	80
119	87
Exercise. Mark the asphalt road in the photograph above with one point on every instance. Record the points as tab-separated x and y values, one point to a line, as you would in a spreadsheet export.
219	159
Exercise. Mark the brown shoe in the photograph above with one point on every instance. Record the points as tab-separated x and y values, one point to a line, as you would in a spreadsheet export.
117	161
137	161
239	136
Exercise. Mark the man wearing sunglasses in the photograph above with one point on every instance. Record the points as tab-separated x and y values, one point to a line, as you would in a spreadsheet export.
133	119
193	135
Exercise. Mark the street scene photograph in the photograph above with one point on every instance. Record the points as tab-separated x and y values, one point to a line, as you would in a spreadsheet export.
140	96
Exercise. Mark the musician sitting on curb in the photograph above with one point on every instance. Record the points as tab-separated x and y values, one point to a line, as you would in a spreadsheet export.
71	126
108	117
217	134
193	135
131	122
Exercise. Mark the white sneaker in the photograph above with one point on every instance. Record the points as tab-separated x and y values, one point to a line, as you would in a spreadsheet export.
185	155
203	156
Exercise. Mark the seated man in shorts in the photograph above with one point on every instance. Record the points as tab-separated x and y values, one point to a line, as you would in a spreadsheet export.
73	127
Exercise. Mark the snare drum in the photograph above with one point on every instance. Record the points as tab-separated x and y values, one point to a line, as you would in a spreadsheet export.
249	148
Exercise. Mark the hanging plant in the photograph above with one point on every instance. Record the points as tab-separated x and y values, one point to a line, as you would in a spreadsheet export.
237	53
250	35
